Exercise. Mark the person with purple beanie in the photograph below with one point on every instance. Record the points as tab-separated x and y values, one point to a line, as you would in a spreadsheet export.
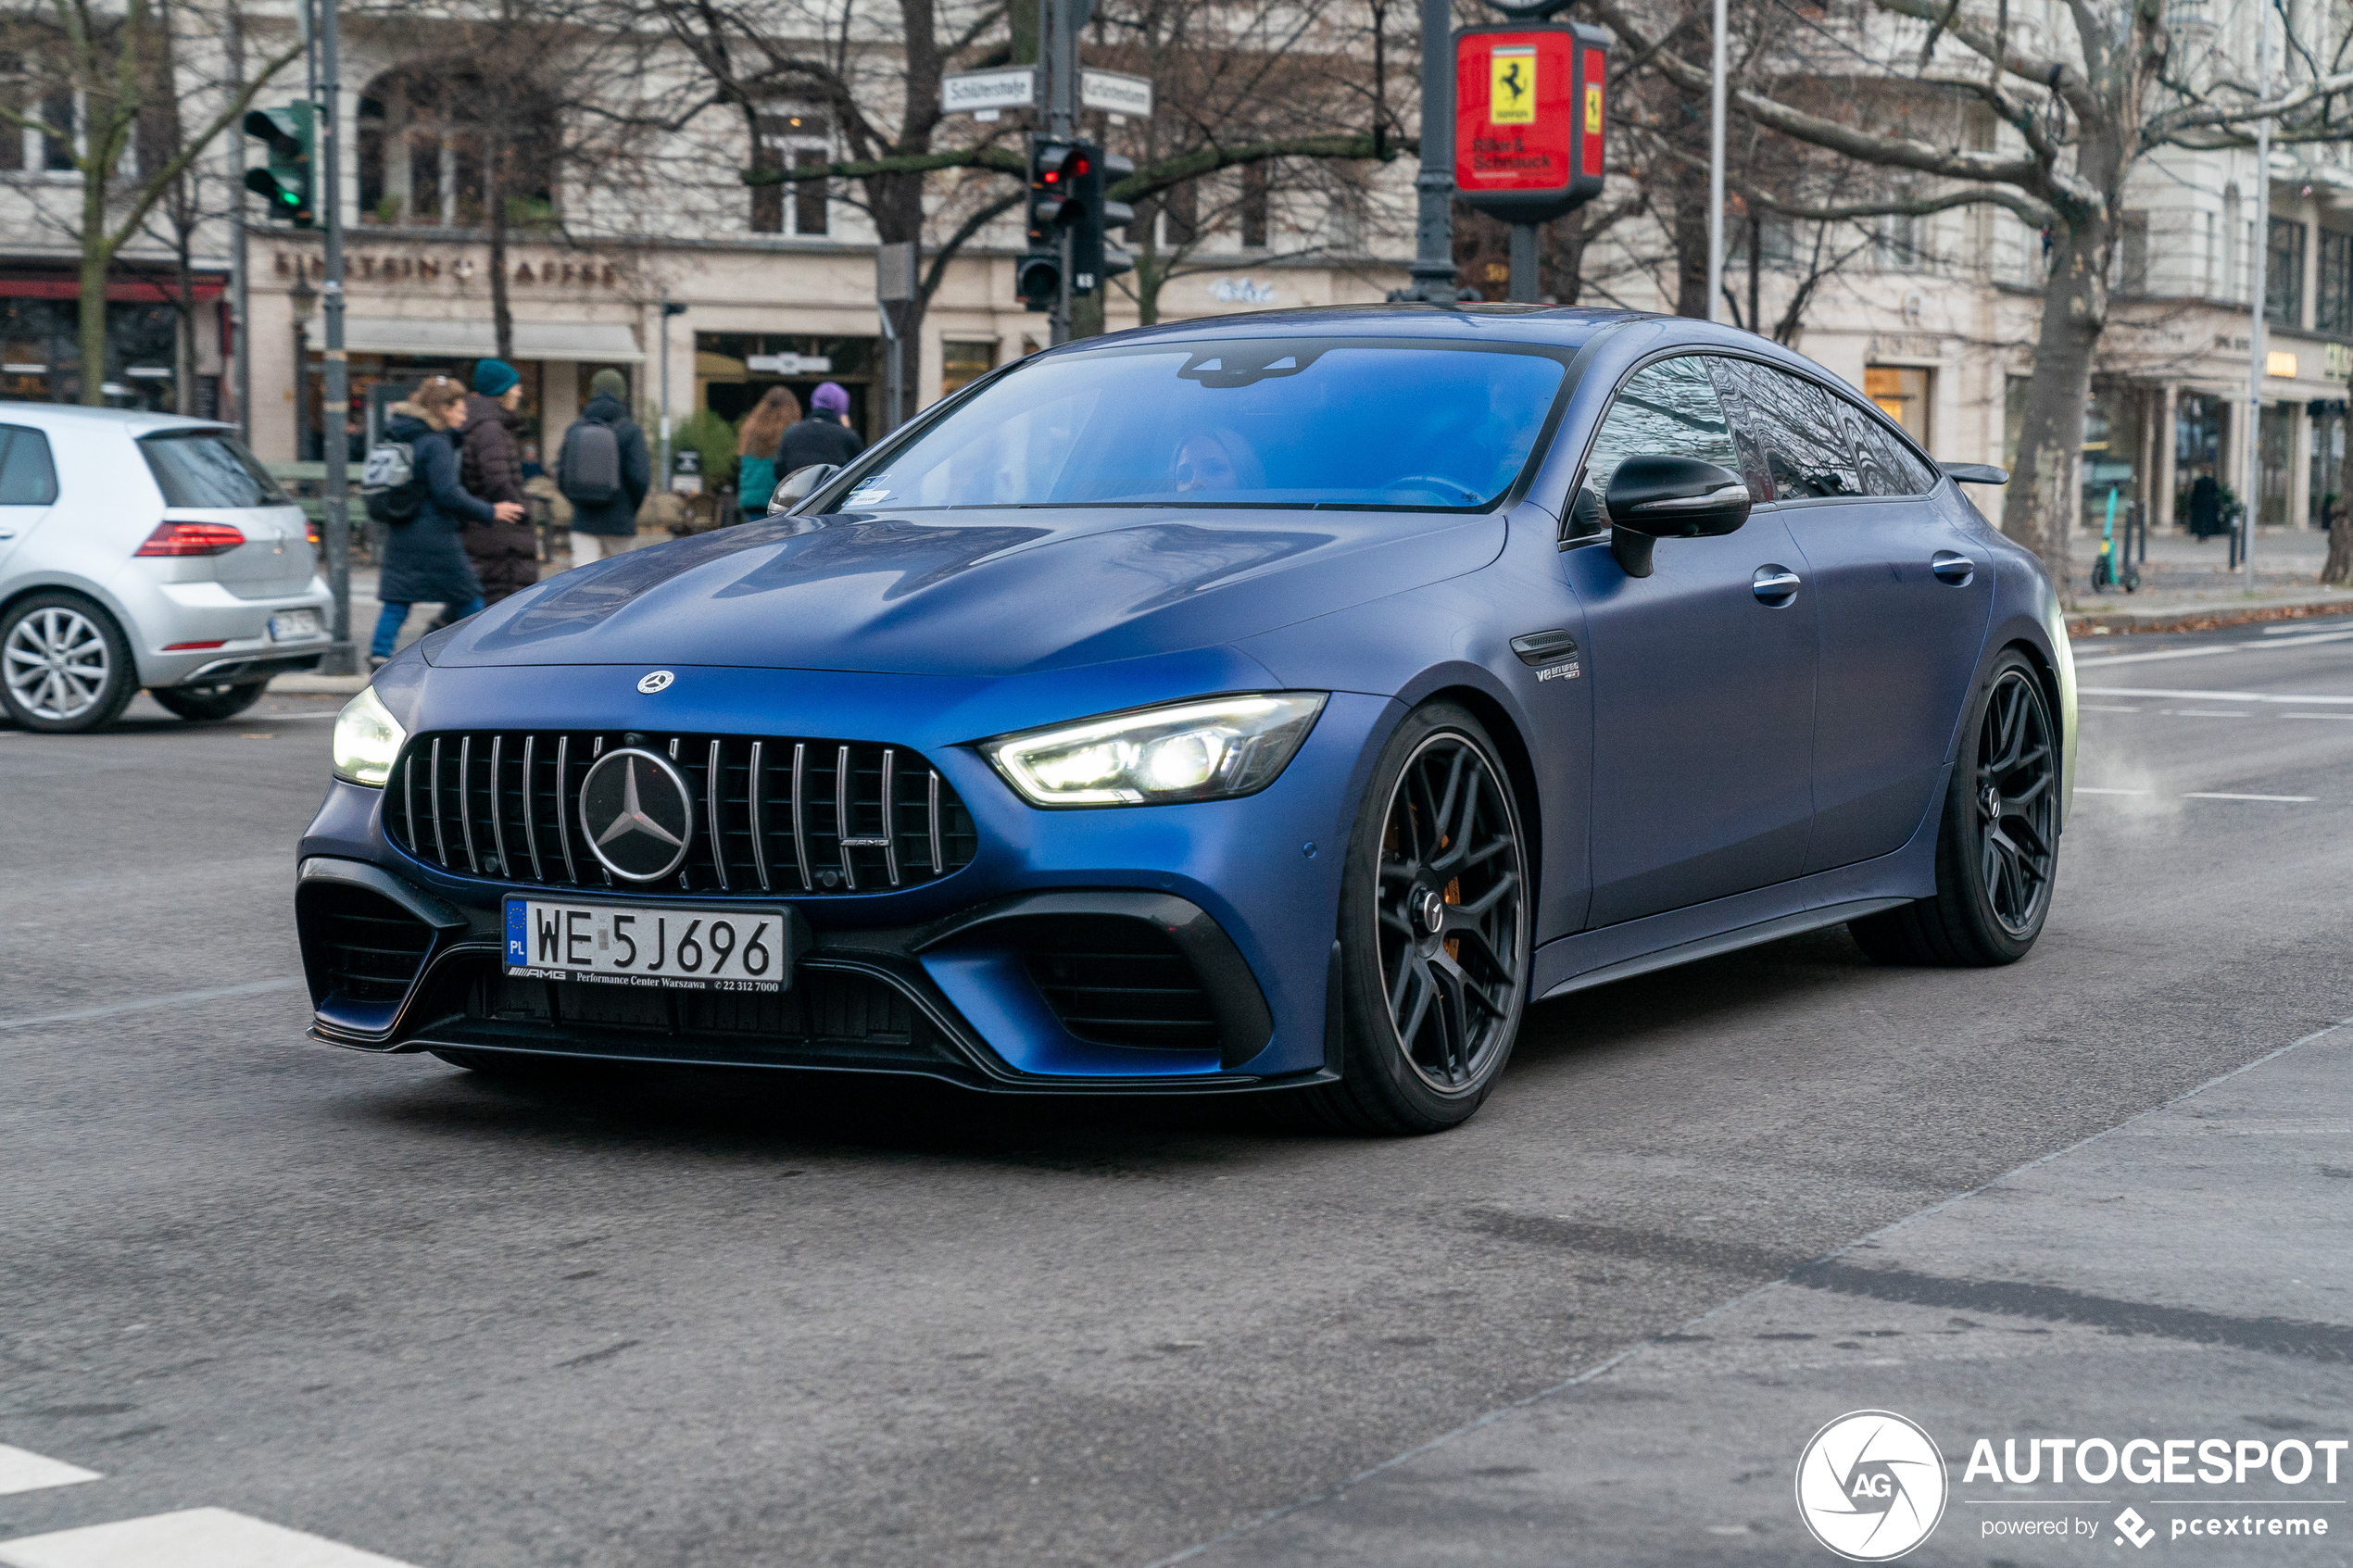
824	437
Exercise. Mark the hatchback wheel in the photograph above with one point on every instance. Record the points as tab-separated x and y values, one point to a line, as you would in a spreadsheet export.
210	702
64	665
1997	845
1434	932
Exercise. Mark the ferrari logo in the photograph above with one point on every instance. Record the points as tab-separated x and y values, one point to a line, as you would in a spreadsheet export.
1511	84
1593	111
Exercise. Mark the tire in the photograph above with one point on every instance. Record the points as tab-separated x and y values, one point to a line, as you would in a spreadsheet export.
214	703
65	665
1996	854
1434	946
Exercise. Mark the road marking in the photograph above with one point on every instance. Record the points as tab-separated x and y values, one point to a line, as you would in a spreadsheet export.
253	989
2087	789
195	1538
2103	707
2338	716
2295	631
2219	795
2208	652
2202	713
2209	697
21	1472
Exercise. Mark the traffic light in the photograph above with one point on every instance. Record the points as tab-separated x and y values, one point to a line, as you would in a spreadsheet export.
1054	174
1094	260
285	185
1037	278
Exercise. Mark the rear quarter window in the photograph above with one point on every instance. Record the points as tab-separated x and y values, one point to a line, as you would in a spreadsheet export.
208	468
28	478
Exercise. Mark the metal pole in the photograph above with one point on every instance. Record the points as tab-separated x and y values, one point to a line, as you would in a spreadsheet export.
1433	267
1716	173
2257	347
241	360
894	370
661	473
1058	37
342	659
1524	290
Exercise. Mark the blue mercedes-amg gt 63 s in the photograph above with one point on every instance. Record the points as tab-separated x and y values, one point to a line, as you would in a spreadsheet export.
1277	703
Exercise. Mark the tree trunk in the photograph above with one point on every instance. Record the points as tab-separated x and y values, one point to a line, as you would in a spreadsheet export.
184	336
92	314
1691	249
2044	501
2338	571
502	315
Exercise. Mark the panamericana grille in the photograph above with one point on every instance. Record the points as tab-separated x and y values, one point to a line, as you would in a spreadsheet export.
772	815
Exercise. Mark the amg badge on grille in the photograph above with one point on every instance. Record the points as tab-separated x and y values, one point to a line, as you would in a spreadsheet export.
638	814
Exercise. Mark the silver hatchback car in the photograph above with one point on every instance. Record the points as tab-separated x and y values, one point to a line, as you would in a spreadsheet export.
145	550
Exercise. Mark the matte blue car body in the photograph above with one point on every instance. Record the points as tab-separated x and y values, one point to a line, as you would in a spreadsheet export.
1639	777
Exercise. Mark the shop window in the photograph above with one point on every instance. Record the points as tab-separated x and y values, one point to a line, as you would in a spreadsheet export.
2275	444
2111	450
2327	468
2333	310
1901	391
964	362
2284	275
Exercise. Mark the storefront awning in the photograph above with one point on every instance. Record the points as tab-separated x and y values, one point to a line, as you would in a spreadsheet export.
596	340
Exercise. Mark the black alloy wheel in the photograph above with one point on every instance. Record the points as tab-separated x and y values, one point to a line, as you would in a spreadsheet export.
210	702
1434	932
1997	847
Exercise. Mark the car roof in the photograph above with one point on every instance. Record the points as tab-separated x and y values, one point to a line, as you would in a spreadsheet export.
135	422
1551	325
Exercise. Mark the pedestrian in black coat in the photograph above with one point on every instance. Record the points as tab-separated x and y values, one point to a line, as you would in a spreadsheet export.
424	557
824	437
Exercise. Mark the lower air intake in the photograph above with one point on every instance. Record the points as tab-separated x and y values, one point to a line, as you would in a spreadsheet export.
1118	982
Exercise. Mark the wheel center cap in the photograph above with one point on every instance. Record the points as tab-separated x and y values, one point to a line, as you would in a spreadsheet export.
1433	912
1989	798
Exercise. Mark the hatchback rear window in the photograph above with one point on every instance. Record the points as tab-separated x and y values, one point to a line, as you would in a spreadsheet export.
208	468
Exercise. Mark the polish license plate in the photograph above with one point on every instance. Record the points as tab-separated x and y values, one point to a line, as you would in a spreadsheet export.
661	947
290	625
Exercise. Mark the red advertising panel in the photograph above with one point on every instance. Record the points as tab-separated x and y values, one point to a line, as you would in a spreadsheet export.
1527	117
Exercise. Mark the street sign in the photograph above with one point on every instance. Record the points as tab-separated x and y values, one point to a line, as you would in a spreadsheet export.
1529	118
1116	93
1012	88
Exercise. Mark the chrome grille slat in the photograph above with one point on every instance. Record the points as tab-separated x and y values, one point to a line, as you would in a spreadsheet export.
758	812
563	806
531	822
498	806
885	821
799	834
891	815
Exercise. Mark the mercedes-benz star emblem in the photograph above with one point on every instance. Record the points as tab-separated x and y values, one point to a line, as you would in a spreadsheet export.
637	813
657	680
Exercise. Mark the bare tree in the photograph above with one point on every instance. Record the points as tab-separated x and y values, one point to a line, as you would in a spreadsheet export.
2078	121
118	67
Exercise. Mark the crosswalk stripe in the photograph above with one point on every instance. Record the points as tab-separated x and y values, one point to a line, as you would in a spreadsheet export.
22	1471
195	1538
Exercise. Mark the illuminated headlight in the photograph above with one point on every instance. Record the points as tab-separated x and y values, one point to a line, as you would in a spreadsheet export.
1207	750
367	740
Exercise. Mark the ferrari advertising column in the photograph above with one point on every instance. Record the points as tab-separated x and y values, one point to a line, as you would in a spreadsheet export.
1528	127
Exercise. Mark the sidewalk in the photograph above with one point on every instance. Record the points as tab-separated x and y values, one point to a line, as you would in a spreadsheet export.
2186	585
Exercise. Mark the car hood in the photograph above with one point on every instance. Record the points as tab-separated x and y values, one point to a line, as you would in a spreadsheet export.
982	592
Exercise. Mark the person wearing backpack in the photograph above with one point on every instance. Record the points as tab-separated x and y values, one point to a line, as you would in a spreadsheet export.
424	562
604	470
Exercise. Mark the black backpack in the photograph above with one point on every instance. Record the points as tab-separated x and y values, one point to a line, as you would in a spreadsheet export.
391	484
588	468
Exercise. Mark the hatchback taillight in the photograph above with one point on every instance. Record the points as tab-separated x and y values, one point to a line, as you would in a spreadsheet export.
191	539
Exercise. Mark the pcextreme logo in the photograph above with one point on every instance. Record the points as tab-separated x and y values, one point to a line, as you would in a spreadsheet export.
1870	1486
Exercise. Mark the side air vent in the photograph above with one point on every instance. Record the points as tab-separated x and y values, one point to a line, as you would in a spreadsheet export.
371	949
1118	982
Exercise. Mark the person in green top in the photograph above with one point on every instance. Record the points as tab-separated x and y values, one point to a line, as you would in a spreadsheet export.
756	449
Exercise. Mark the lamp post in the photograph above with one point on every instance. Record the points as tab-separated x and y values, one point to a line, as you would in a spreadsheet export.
1716	172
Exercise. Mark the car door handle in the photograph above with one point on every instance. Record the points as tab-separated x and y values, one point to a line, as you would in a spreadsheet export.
1774	585
7	532
1951	566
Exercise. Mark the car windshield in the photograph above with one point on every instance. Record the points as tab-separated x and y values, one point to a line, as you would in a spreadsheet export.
209	468
1288	422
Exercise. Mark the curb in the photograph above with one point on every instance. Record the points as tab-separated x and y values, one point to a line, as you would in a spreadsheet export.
2204	618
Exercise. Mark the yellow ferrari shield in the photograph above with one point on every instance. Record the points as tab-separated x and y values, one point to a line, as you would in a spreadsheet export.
1511	84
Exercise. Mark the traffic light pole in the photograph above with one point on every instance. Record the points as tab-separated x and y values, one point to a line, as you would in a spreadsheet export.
1433	266
1058	41
342	659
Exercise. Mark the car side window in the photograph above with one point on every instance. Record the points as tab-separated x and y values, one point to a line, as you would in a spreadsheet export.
1808	448
1890	468
1669	409
27	476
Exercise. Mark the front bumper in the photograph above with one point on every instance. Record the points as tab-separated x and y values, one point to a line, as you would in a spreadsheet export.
969	978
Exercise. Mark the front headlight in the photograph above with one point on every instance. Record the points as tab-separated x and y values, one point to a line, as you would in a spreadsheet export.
1212	749
367	740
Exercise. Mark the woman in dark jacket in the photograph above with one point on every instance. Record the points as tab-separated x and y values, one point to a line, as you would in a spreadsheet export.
424	562
506	555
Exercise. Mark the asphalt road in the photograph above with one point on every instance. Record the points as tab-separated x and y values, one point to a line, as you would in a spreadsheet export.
639	1321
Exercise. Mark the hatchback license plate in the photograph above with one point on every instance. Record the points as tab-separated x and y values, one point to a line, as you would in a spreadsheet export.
289	624
664	946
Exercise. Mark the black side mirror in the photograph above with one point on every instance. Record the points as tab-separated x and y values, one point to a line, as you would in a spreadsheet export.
1654	498
1976	473
798	485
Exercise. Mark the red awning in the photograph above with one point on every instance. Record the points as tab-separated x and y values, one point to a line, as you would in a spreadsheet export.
210	286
